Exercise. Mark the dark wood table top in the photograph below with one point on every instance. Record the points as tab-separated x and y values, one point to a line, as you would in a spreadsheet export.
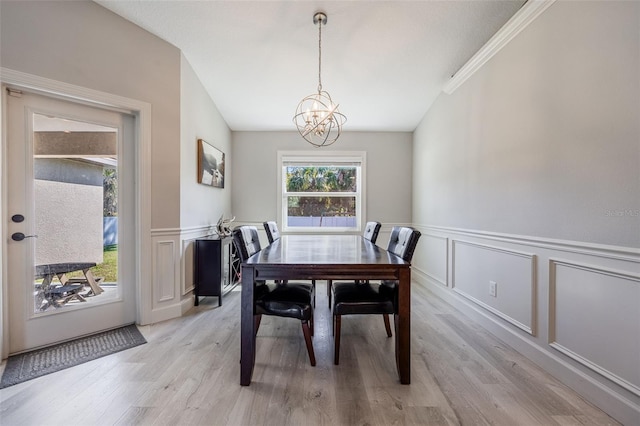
62	268
333	256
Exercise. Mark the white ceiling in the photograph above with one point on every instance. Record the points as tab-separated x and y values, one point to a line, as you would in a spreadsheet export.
383	62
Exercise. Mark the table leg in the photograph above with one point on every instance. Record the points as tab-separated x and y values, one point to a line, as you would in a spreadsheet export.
43	298
247	327
91	280
46	281
403	327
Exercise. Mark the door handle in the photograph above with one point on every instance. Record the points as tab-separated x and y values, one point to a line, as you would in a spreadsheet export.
19	236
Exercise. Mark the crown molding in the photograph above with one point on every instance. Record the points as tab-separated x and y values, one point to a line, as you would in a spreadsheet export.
518	22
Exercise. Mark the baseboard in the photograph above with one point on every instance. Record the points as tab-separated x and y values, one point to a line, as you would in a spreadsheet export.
186	304
166	313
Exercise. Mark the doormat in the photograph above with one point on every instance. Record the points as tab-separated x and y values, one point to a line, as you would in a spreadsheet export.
29	365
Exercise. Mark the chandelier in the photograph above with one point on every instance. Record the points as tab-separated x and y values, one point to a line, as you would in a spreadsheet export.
317	118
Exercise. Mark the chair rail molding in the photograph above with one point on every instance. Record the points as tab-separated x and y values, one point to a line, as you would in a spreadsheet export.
518	22
628	254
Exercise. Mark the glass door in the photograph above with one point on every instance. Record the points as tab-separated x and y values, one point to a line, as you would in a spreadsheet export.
68	220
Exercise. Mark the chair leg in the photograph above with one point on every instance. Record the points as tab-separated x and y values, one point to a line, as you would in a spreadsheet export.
336	349
333	325
387	325
313	283
311	324
395	323
329	285
307	338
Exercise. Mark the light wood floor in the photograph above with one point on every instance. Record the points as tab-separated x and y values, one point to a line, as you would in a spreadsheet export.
188	373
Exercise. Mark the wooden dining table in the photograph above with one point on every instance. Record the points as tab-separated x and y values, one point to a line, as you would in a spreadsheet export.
325	257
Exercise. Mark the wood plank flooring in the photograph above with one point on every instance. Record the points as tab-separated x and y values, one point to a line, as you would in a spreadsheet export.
188	374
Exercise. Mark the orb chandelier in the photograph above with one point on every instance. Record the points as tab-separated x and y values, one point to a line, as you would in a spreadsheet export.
317	117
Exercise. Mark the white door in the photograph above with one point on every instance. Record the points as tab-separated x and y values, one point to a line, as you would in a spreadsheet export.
70	213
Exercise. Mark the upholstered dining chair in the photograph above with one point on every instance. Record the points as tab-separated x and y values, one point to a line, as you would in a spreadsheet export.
289	300
355	298
371	231
273	234
271	228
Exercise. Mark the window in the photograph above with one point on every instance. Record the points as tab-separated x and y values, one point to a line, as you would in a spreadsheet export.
321	192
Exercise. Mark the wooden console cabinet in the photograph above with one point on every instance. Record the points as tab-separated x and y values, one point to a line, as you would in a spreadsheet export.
216	269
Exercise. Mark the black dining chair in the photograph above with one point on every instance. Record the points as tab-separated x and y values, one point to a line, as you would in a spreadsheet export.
371	231
271	228
289	300
363	298
273	234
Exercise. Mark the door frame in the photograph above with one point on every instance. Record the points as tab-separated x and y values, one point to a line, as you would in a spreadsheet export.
142	113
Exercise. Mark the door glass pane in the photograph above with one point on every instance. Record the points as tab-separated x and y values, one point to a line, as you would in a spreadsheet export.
75	168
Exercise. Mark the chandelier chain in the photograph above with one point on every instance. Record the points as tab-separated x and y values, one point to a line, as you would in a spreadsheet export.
320	56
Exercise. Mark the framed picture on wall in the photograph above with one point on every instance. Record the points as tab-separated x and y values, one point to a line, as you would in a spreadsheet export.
210	165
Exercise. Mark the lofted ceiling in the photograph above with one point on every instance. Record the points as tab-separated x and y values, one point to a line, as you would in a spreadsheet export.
383	62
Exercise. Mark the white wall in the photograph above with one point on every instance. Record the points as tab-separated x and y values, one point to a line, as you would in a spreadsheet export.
544	139
72	231
200	205
529	175
82	43
389	188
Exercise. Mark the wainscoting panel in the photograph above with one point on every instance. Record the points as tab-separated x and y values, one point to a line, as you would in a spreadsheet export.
476	266
173	270
595	319
187	266
164	271
435	251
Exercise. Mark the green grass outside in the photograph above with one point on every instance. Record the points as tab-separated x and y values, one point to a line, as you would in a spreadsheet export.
108	269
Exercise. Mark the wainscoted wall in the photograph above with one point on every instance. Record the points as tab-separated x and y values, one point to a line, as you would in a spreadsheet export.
571	307
530	146
508	272
172	276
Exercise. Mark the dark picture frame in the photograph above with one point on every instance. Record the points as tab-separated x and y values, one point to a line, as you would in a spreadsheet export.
210	165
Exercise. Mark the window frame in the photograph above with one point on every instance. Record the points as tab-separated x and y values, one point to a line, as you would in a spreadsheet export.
310	159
